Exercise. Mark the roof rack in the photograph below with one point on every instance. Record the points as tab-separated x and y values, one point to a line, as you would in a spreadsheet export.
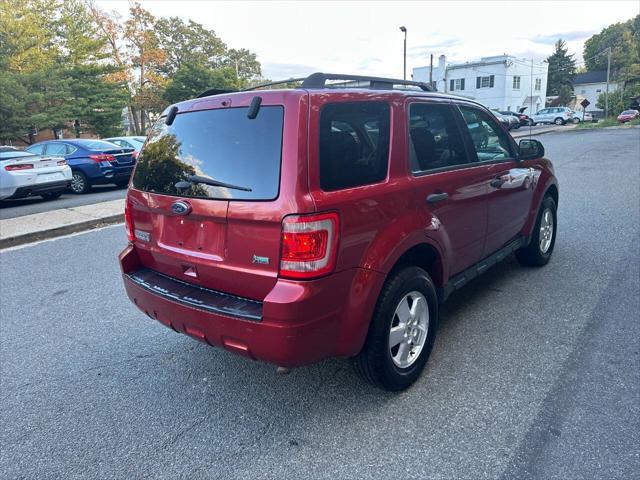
319	80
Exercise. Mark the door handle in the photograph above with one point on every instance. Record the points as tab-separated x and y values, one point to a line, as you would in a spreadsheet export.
437	197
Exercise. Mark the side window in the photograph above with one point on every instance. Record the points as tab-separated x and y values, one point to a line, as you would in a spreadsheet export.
434	139
36	149
354	144
56	149
489	140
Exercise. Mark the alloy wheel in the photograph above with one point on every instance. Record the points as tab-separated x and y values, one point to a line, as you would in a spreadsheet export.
546	230
409	329
77	183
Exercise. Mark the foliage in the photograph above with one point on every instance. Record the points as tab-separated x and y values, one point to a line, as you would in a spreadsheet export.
562	71
624	41
620	99
192	79
63	61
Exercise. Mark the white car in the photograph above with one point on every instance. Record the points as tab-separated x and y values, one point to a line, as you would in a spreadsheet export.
128	142
23	174
557	115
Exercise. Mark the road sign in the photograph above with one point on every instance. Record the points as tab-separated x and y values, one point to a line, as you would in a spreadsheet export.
585	103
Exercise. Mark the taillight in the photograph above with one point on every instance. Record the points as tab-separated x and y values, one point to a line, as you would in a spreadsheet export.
309	245
102	157
20	166
128	221
134	155
62	162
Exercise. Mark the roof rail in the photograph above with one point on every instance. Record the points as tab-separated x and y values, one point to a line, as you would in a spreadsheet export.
318	80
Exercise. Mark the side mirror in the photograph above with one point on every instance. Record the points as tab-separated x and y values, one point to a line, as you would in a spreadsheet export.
529	148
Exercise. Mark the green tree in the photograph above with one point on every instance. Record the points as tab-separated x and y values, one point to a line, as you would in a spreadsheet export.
624	41
14	121
562	71
188	43
190	80
244	63
620	99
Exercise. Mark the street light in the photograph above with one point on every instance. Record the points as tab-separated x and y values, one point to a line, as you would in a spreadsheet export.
404	57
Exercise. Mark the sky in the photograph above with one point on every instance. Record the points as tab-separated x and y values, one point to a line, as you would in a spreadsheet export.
363	37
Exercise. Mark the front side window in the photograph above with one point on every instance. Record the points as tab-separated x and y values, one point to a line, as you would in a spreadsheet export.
516	83
353	144
208	146
434	139
36	149
489	140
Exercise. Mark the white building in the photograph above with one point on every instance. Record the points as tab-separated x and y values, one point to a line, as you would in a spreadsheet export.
590	85
503	82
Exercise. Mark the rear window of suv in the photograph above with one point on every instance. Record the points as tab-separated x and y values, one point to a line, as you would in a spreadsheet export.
222	145
354	144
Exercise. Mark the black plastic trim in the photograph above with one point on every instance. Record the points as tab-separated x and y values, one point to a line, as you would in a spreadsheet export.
461	279
196	296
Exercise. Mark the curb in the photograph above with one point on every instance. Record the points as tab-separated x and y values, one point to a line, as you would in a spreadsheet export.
59	231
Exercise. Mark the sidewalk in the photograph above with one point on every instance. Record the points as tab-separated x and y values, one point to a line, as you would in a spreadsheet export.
540	130
39	226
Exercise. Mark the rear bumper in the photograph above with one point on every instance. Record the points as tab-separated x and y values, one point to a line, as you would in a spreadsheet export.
40	188
297	323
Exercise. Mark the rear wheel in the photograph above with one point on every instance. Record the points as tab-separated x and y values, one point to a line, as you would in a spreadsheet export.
558	121
543	239
80	183
402	331
51	196
516	125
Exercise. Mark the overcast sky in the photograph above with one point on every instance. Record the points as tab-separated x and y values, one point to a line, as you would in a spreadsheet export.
363	37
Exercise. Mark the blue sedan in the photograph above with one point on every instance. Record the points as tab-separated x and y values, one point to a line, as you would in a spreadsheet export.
92	162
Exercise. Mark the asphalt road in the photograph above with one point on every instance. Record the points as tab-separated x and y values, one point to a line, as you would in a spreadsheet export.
26	206
535	372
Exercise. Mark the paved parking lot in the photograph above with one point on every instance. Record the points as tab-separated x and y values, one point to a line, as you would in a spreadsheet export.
535	372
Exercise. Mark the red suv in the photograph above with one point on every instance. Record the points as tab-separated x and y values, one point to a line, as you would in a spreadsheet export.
328	220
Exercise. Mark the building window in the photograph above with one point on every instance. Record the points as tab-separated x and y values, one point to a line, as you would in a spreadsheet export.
516	83
456	84
485	82
538	86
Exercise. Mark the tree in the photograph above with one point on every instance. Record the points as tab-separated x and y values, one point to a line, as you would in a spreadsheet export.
562	71
188	43
624	41
190	80
14	121
245	65
620	99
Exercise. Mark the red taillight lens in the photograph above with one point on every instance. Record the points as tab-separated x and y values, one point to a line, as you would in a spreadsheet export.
309	245
102	157
21	166
128	222
134	155
62	162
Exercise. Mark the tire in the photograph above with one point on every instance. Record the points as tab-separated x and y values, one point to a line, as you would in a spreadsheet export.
539	250
533	124
79	183
576	120
559	121
380	363
51	196
516	126
122	184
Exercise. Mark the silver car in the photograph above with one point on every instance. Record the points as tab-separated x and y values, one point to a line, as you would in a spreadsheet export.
557	115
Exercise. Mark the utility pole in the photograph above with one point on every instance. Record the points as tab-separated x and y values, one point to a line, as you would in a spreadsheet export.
431	71
404	57
606	97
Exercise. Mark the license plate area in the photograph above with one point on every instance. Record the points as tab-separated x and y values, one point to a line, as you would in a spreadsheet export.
49	177
200	238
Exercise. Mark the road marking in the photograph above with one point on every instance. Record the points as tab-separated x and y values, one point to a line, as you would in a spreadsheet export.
19	247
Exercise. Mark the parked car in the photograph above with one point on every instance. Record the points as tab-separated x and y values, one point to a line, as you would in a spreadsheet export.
291	227
92	162
508	121
557	115
578	117
628	115
23	174
128	142
523	120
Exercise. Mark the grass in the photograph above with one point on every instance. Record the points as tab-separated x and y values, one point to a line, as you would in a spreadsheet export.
609	122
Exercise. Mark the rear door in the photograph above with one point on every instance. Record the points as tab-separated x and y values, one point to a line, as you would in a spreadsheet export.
510	183
448	182
224	238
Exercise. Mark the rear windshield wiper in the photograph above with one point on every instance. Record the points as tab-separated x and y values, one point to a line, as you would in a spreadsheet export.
193	179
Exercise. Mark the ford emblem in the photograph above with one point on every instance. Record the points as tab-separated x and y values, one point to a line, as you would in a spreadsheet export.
180	207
